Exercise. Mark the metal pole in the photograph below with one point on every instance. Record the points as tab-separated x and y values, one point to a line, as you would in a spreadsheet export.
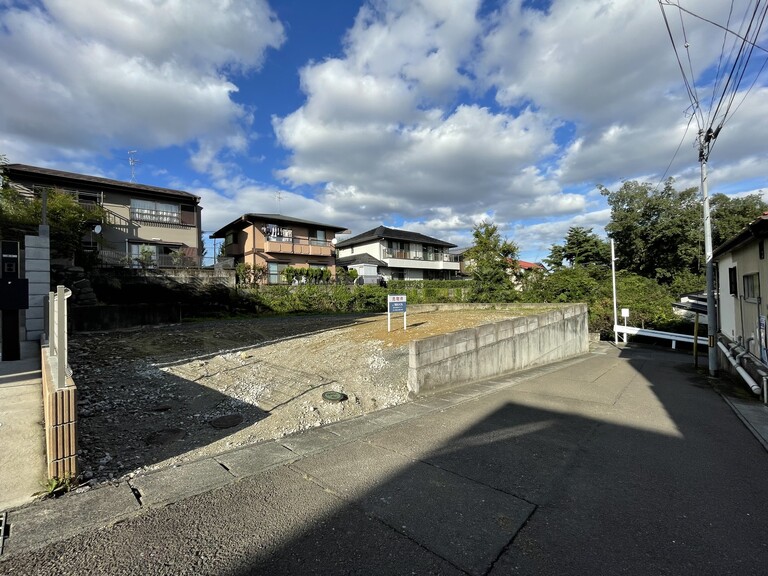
613	277
61	338
711	312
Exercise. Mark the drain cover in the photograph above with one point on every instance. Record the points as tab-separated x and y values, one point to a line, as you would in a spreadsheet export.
227	421
334	396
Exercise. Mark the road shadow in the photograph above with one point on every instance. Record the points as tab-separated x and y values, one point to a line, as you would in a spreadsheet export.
658	476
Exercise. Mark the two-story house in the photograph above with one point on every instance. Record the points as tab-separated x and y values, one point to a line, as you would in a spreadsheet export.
398	255
278	241
159	224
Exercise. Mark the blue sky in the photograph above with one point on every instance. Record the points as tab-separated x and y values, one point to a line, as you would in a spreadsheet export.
425	115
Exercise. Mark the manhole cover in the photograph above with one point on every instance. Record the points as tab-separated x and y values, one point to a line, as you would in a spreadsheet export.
227	421
165	436
334	396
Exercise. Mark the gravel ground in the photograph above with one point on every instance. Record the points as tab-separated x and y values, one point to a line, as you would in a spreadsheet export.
160	396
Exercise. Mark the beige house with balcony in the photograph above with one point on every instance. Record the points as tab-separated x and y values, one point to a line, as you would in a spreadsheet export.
398	255
278	241
161	224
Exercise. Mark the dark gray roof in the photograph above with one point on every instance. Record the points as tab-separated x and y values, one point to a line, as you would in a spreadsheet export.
359	259
251	218
384	233
54	178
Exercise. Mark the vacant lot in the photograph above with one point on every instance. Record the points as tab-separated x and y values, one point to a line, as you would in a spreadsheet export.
159	396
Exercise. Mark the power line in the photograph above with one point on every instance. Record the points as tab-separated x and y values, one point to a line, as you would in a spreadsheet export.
691	94
728	30
676	152
725	89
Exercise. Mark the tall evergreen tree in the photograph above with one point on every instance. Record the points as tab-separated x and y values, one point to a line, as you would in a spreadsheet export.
492	260
582	248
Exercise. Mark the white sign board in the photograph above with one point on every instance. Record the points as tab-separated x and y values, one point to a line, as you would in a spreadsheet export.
625	312
396	303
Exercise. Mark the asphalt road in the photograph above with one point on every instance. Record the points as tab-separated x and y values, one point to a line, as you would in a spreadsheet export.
620	462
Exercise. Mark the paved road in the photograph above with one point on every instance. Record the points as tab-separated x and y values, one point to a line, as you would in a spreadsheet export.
619	462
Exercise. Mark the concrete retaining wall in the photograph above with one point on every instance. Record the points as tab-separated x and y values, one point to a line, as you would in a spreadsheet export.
443	361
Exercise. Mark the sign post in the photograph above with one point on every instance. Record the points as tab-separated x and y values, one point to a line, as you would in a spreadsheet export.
625	315
396	303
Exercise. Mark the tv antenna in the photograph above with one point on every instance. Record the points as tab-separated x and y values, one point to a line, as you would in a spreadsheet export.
278	197
132	161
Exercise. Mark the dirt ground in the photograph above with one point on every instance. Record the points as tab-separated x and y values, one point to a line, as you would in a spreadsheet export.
160	396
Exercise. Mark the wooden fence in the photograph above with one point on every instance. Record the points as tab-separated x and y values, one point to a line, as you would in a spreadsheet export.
59	393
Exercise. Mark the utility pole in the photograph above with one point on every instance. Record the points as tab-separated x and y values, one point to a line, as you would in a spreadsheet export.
613	277
705	141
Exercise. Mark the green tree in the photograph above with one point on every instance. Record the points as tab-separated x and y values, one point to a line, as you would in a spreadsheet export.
730	215
67	219
582	248
577	284
492	260
658	233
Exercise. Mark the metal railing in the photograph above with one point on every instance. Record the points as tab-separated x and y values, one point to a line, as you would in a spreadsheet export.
120	259
300	240
424	256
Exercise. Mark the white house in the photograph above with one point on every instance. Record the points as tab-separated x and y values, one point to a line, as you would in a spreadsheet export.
398	255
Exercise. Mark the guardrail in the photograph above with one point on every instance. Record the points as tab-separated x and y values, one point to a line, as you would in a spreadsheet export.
631	330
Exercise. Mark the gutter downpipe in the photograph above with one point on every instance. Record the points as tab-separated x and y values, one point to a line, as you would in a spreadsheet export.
736	364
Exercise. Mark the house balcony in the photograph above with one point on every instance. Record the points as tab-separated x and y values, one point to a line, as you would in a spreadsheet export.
298	246
422	261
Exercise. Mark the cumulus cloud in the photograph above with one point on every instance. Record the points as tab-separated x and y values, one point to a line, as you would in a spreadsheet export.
381	127
82	77
429	115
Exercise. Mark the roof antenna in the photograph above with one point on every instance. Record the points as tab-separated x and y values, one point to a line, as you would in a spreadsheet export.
132	161
278	197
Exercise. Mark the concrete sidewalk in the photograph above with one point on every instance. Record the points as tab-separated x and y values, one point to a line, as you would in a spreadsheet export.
622	461
22	436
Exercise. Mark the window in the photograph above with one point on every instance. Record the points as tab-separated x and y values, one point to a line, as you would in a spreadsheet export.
397	249
751	287
733	281
318	238
143	255
158	212
275	272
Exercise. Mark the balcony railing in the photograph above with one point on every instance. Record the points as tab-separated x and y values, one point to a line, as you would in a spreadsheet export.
424	256
155	216
298	245
118	258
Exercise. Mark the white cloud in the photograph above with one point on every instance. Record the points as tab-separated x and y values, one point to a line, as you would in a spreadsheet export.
381	128
538	239
82	77
433	116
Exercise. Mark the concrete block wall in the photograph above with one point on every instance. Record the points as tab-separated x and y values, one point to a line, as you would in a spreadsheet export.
446	360
37	270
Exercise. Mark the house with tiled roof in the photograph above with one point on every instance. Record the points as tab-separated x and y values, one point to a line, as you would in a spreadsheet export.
132	219
398	255
276	242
